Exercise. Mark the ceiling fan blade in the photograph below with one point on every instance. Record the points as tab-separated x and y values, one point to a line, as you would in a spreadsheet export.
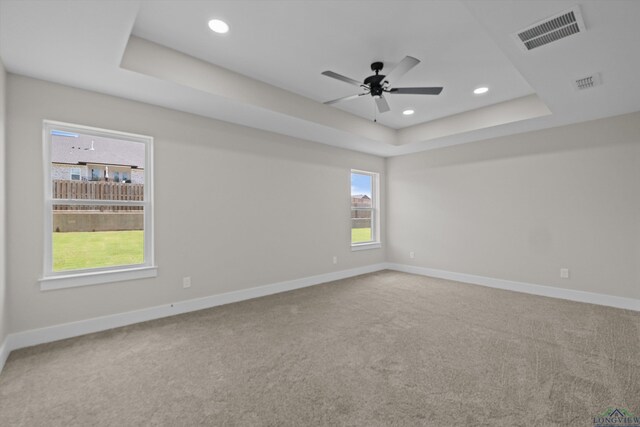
402	68
383	105
417	90
341	78
344	98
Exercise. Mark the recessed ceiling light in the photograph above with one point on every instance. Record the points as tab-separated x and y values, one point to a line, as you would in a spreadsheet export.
408	112
218	26
481	90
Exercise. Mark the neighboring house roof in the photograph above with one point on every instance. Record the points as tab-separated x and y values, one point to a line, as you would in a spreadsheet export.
74	150
360	196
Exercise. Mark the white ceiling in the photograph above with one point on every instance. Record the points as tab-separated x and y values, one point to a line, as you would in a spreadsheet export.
279	48
289	43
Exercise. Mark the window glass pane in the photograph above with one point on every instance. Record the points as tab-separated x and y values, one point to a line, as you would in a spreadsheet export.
361	226
97	236
361	207
94	167
361	193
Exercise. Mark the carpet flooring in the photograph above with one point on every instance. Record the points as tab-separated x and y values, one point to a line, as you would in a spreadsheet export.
382	349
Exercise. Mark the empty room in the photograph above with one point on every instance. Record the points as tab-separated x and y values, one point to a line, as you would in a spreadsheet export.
319	213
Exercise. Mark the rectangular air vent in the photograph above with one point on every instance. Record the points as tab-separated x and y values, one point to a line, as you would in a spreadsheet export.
551	29
588	82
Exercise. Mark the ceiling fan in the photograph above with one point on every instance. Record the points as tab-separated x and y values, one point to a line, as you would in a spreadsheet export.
379	84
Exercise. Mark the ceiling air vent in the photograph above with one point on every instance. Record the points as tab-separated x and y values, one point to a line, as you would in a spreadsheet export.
551	29
588	82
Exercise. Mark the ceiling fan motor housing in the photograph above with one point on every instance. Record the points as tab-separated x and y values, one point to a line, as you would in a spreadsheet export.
375	85
375	82
376	90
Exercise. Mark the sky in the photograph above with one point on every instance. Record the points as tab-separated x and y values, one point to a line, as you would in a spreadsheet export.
360	184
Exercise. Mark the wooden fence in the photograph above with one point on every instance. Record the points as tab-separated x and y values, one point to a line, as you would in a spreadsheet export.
97	190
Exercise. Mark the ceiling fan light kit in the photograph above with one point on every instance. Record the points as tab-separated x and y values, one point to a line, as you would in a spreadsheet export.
378	84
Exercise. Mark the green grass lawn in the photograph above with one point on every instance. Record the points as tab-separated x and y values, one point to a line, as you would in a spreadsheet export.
359	235
72	251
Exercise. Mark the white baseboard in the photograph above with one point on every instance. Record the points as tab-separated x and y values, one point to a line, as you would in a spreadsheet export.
32	337
528	288
4	352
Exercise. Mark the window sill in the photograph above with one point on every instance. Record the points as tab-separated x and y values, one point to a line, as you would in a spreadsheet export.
366	246
94	278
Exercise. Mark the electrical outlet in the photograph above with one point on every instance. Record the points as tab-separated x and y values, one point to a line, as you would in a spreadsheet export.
412	254
564	273
186	282
335	259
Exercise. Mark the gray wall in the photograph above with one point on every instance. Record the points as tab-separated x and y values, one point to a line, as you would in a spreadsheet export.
517	208
524	206
4	304
208	229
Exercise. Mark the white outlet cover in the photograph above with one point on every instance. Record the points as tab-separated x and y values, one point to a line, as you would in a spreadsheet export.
412	254
186	282
564	273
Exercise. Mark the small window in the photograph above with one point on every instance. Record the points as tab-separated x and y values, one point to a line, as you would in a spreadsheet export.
364	209
75	174
99	230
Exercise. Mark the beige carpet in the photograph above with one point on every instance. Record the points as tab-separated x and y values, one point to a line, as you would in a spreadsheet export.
381	349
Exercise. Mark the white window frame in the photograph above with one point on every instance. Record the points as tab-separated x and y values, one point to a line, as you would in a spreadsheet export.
79	174
91	276
375	242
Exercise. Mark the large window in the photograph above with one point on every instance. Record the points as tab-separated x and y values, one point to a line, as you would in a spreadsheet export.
97	229
364	210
